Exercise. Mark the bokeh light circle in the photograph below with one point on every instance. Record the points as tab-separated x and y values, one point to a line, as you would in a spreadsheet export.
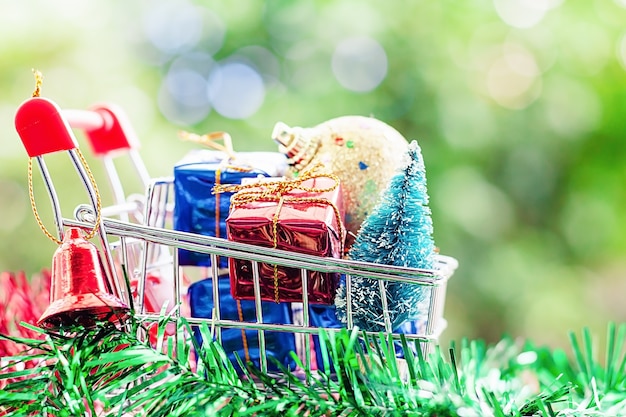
236	90
572	108
521	13
262	59
589	52
474	204
182	97
359	64
466	121
173	27
513	79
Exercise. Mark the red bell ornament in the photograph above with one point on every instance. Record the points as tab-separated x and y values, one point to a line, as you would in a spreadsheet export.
80	292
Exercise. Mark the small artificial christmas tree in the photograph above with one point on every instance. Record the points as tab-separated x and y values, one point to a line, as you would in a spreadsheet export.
398	232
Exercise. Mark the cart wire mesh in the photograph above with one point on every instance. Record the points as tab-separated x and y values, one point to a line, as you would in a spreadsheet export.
147	243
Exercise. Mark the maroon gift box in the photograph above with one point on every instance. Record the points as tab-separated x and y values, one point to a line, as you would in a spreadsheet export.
309	220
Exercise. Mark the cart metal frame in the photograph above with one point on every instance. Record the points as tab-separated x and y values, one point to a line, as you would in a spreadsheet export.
152	233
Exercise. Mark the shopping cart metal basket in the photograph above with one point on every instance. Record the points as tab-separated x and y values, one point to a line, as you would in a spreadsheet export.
42	120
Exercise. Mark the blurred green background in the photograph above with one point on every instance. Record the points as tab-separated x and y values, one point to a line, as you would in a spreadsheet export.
519	107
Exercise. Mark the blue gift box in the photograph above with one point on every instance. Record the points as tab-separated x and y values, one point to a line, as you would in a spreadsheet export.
324	317
278	345
197	209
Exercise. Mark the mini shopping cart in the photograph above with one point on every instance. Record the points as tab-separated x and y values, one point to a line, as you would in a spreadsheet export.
44	128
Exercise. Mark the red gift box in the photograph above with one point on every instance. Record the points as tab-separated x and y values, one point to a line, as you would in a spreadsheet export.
303	215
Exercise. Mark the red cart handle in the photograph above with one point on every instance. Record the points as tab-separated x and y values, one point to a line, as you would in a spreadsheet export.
45	128
42	128
107	128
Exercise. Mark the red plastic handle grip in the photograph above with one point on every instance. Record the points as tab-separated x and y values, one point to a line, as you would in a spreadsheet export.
114	134
83	119
42	128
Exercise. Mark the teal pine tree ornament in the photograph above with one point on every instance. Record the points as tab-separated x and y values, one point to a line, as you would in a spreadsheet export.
398	232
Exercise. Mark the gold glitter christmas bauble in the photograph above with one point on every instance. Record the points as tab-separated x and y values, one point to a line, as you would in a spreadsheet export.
362	151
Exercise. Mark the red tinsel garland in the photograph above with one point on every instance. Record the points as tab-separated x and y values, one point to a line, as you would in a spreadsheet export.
20	301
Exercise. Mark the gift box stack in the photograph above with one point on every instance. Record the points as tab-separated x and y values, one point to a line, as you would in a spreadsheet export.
303	215
292	201
197	209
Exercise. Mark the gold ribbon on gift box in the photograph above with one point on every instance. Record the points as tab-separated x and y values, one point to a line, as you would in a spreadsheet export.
210	140
278	191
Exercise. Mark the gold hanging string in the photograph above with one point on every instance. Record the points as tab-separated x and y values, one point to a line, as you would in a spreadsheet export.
244	339
275	218
210	140
273	189
31	192
242	168
218	181
277	191
38	82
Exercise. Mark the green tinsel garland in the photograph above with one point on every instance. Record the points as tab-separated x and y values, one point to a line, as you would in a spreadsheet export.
108	372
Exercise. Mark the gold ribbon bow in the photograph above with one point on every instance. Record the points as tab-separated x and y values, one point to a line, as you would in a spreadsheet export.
278	191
